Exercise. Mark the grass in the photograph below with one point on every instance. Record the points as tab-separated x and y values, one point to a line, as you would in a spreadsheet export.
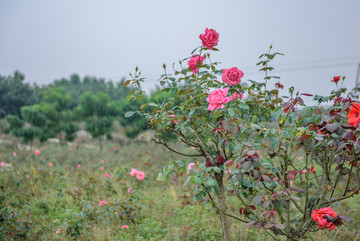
65	196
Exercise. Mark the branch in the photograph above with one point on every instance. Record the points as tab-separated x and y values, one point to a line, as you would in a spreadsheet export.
171	149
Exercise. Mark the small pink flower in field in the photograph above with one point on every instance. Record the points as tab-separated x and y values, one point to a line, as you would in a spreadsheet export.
133	172
218	98
2	164
102	161
140	175
229	172
236	96
299	157
303	171
30	216
210	38
291	183
58	231
258	152
194	63
79	165
49	190
50	164
232	76
191	165
171	116
125	226
102	203
37	152
14	213
107	175
312	169
192	148
102	168
129	190
14	153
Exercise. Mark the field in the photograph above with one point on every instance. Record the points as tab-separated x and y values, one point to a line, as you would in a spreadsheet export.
55	196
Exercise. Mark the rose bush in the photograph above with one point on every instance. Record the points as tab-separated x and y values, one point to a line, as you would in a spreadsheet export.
281	160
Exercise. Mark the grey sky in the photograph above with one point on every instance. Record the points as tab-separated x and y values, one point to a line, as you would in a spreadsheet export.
48	40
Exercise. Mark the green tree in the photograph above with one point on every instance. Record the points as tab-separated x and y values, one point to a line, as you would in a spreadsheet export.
98	113
14	94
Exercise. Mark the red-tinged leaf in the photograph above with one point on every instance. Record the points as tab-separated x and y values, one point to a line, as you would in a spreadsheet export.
230	177
228	163
266	204
344	171
250	223
257	199
269	225
243	211
345	217
338	167
259	225
304	137
246	165
301	102
252	207
286	105
266	178
306	94
295	102
127	83
332	127
280	226
297	189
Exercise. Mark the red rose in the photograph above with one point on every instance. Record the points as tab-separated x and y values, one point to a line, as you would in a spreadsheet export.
210	38
354	114
279	85
232	76
336	79
321	217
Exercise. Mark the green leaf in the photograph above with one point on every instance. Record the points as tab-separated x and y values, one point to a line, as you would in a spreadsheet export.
231	112
211	182
198	180
243	106
198	197
153	104
217	170
187	181
129	114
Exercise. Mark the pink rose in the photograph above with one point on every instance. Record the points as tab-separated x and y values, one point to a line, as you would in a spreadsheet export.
125	226
140	175
218	98
129	190
210	38
133	172
232	76
191	165
37	152
237	96
102	203
194	62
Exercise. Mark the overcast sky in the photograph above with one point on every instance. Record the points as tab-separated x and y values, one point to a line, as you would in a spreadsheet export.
47	40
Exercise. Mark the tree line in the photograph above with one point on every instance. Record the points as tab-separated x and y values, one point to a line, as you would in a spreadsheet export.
56	109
